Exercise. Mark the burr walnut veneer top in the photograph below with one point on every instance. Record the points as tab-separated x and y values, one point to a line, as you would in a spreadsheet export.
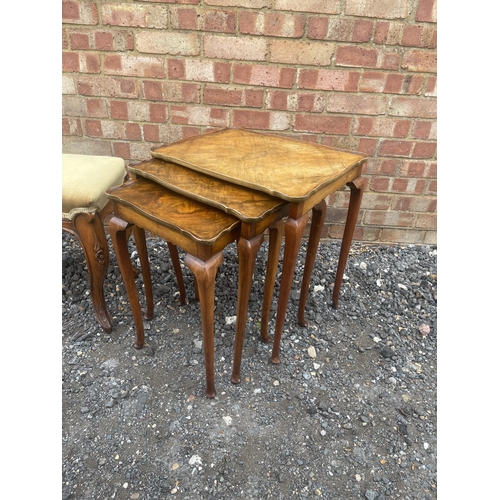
289	169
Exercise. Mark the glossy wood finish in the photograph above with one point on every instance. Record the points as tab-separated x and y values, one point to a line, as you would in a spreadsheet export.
257	211
247	204
288	169
299	172
203	232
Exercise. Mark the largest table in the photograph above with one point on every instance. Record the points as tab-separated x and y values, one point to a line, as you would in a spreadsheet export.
301	173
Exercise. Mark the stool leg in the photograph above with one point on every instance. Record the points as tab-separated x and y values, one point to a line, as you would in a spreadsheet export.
247	253
118	233
174	256
89	231
142	250
318	217
275	239
357	187
294	228
205	273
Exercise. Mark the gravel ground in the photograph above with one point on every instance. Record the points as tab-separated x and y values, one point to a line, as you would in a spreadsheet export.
349	413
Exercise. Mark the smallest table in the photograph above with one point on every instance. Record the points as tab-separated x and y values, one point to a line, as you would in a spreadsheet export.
201	230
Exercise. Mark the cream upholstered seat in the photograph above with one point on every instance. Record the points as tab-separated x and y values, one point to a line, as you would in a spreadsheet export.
85	206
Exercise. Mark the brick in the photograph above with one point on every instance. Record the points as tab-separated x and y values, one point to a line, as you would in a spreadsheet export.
185	18
97	108
381	127
79	13
374	201
122	150
260	75
79	41
367	146
134	15
74	106
260	120
316	6
139	111
292	101
246	4
350	55
390	60
83	145
130	65
71	126
421	130
166	42
118	110
426	11
413	169
171	91
133	132
409	236
89	63
199	115
253	98
203	71
339	30
139	150
424	150
203	19
272	24
93	128
407	185
68	84
426	221
413	84
322	124
430	238
421	61
382	9
295	52
413	107
395	148
381	166
357	104
114	40
218	20
151	132
70	62
361	234
235	48
431	188
414	204
327	79
389	218
107	86
431	87
158	112
223	96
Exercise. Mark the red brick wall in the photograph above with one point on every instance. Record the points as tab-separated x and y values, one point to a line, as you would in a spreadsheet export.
357	74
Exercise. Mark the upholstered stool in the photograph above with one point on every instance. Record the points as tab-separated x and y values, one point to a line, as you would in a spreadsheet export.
85	206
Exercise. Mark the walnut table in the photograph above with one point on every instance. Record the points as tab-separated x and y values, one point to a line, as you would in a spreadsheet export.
203	231
299	172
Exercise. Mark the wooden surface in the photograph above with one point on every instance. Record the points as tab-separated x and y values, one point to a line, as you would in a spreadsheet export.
196	220
288	169
247	204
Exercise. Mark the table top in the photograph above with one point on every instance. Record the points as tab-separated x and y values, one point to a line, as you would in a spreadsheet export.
247	204
197	221
289	169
